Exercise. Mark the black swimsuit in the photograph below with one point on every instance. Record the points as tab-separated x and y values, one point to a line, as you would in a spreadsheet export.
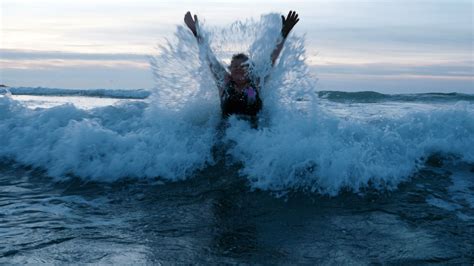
247	102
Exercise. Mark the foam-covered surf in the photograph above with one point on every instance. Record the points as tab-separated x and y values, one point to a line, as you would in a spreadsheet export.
299	145
103	144
325	153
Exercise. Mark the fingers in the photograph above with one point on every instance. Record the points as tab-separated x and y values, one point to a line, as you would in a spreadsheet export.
188	20
289	22
292	16
189	17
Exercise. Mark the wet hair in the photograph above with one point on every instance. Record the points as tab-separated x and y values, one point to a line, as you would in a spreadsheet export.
240	56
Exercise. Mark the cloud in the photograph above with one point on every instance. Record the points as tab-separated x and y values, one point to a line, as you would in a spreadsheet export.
394	35
392	84
451	70
79	77
454	76
16	54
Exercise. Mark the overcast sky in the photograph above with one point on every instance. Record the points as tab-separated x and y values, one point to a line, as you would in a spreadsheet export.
394	46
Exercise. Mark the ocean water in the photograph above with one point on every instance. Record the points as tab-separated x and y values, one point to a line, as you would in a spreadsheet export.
157	177
78	184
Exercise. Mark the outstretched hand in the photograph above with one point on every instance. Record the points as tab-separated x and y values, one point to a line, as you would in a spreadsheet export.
287	23
188	19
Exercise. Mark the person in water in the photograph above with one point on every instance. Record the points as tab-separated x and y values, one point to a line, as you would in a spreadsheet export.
239	92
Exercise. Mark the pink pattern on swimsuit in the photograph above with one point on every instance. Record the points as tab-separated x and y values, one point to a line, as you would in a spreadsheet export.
251	95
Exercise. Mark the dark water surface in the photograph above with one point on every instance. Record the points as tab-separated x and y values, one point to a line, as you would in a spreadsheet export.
215	217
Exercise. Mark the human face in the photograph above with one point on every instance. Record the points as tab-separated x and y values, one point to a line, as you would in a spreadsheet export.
239	71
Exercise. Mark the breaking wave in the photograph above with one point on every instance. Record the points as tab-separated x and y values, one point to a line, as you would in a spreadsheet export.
299	144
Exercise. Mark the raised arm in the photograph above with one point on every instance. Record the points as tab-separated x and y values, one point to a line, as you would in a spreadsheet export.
216	67
287	25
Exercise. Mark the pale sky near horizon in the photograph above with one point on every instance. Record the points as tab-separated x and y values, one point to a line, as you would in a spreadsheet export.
388	46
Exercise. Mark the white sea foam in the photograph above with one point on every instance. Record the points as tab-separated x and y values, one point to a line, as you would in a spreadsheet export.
299	144
322	152
104	143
